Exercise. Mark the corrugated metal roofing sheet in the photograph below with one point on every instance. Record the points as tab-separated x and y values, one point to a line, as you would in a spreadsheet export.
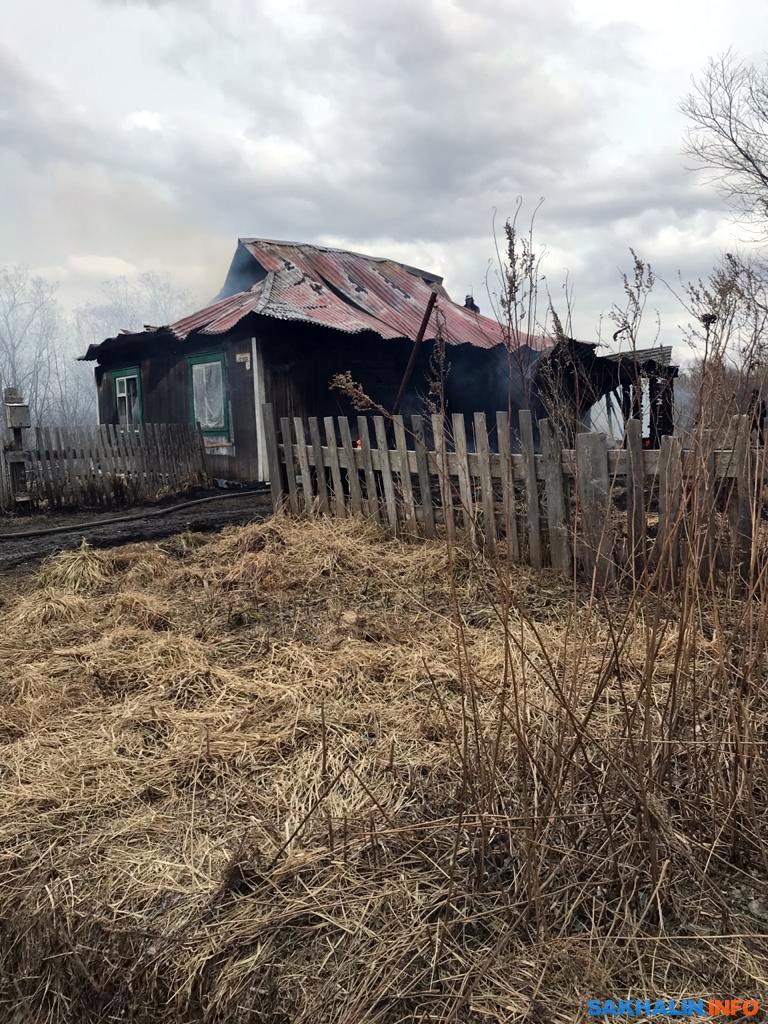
661	354
345	291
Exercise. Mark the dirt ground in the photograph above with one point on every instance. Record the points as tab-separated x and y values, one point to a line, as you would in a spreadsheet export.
230	509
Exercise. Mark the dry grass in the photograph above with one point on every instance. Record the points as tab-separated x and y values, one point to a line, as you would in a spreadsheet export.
304	773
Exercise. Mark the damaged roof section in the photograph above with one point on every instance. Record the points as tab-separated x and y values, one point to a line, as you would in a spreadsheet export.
332	288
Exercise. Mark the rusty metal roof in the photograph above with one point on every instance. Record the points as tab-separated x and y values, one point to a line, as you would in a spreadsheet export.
342	290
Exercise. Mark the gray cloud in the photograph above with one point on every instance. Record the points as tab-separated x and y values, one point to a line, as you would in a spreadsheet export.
399	125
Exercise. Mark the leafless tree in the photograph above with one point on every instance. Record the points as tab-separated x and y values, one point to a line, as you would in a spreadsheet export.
727	110
40	345
126	305
29	329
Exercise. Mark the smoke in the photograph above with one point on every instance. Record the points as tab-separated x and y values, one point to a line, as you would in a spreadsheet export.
244	272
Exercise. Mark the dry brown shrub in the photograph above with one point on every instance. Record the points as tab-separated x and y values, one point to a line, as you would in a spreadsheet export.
305	772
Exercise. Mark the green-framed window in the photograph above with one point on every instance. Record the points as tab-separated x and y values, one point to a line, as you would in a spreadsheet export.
126	385
208	393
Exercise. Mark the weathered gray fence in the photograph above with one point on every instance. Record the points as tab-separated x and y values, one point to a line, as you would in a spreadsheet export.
70	467
591	509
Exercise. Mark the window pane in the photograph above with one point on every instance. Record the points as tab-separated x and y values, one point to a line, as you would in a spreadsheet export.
127	394
208	395
132	387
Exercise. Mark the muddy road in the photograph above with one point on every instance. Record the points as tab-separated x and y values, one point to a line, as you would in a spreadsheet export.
204	517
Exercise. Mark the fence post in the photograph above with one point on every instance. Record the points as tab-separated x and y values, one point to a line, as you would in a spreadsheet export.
594	491
554	484
17	419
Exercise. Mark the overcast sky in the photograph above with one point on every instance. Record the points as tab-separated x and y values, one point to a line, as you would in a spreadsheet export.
148	135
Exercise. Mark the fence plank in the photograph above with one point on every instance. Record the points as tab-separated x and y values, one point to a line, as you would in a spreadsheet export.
465	479
636	530
101	486
557	520
353	476
317	451
441	461
142	459
117	462
6	496
151	460
187	452
372	502
118	452
382	443
531	489
486	481
175	478
276	486
286	431
306	476
166	458
331	442
76	463
192	453
129	440
507	487
142	442
117	469
89	487
62	444
404	476
45	466
594	492
422	470
156	447
55	468
125	460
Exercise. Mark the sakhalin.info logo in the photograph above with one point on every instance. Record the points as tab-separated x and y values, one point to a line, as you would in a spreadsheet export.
672	1007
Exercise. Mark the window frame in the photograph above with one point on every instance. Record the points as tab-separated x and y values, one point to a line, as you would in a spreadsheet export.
196	360
122	374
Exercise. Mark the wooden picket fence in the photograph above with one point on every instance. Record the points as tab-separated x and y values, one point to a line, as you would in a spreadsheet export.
590	510
72	467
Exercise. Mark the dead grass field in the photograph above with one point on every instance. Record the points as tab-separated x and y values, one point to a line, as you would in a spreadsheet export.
301	772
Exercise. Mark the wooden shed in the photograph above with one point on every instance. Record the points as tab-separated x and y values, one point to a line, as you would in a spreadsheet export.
288	318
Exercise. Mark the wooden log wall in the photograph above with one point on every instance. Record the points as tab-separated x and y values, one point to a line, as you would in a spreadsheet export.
108	466
603	513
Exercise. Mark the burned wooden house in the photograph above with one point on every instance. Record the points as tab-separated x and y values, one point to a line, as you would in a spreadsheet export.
290	317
